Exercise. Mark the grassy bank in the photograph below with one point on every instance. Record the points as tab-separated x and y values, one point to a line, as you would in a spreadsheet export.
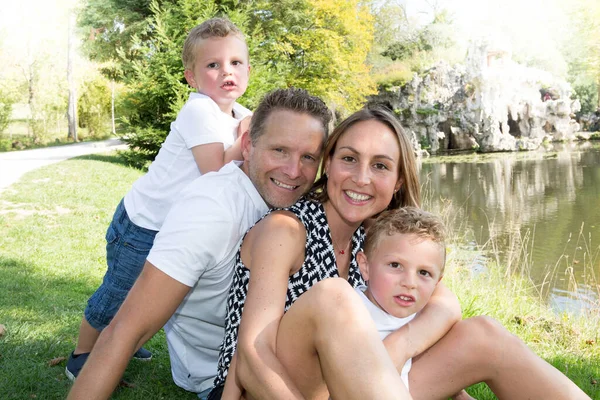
52	226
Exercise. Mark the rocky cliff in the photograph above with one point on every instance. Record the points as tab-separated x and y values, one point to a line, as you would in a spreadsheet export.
489	103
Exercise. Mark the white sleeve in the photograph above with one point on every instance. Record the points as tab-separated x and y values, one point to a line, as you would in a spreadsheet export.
195	236
199	124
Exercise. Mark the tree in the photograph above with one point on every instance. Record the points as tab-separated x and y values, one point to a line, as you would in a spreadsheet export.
314	44
583	51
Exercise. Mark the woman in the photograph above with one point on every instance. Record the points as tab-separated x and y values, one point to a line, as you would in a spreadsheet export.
324	343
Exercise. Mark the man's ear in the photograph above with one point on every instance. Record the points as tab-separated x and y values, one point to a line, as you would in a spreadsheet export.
246	144
363	265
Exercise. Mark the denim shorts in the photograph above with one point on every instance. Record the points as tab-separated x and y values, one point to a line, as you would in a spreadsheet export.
127	246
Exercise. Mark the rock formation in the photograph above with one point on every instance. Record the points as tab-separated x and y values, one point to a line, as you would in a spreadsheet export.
490	103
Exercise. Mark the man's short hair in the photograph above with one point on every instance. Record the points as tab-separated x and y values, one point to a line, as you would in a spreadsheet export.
406	220
292	99
214	27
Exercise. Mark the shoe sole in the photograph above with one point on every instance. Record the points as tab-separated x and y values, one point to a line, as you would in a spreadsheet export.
143	359
70	375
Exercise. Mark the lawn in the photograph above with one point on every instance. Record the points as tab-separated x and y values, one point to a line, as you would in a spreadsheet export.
52	225
52	258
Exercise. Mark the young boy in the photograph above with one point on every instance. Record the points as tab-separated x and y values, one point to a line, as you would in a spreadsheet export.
402	262
204	137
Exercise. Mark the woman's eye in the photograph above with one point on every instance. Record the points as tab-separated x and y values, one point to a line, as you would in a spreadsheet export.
348	159
381	166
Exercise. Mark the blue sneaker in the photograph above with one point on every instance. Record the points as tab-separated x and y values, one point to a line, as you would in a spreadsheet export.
74	365
142	354
75	362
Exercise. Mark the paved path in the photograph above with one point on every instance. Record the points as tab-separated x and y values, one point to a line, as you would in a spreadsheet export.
14	164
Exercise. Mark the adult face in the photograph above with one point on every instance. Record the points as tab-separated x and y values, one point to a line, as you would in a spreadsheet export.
283	162
221	70
363	172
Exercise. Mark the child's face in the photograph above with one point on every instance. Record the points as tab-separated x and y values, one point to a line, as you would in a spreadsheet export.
402	273
221	70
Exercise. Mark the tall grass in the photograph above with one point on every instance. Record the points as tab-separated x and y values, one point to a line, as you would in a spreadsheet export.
493	278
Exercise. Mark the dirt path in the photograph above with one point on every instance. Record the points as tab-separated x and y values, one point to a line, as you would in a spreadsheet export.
15	163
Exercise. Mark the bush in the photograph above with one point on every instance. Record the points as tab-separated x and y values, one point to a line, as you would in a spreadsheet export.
93	108
6	103
587	93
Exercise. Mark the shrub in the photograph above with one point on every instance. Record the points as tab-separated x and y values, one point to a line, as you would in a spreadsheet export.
93	108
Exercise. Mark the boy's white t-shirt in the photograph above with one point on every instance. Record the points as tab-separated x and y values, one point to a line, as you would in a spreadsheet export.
386	324
199	122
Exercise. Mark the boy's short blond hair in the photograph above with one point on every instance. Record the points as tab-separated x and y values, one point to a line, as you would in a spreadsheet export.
214	27
406	220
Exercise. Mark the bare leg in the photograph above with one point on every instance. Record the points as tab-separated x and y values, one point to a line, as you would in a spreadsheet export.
329	344
87	337
462	395
480	350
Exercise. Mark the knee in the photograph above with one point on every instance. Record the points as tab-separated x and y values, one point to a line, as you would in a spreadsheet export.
486	335
333	295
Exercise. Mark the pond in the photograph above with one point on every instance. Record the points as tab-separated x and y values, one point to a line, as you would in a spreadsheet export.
537	212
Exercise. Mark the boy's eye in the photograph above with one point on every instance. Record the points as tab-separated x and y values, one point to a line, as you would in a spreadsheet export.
395	265
213	65
424	273
237	63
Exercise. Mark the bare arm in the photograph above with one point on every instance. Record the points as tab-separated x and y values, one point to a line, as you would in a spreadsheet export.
430	325
232	389
211	156
144	312
276	245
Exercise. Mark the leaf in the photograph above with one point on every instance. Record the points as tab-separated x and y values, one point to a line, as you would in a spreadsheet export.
56	361
126	384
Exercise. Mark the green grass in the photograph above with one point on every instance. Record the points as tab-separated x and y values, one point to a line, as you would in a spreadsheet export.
52	226
52	258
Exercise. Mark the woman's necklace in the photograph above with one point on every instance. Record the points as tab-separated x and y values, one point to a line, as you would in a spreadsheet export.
341	251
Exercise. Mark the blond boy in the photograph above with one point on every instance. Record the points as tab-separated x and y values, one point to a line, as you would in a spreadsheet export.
204	137
402	263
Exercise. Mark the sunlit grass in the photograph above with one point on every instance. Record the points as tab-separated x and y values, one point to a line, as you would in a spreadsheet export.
52	258
499	286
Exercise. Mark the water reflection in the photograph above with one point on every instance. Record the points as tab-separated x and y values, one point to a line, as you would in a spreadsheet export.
547	202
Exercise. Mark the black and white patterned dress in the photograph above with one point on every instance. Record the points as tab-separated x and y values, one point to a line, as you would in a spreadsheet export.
319	264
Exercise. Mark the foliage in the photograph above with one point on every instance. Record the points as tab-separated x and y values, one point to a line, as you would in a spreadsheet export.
6	103
320	46
583	51
404	48
587	95
314	44
94	108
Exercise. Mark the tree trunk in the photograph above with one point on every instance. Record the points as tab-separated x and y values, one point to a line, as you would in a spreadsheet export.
72	110
112	105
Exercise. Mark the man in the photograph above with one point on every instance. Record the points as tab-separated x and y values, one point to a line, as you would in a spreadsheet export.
189	270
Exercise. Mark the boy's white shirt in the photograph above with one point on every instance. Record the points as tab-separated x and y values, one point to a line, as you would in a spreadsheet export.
386	324
200	121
